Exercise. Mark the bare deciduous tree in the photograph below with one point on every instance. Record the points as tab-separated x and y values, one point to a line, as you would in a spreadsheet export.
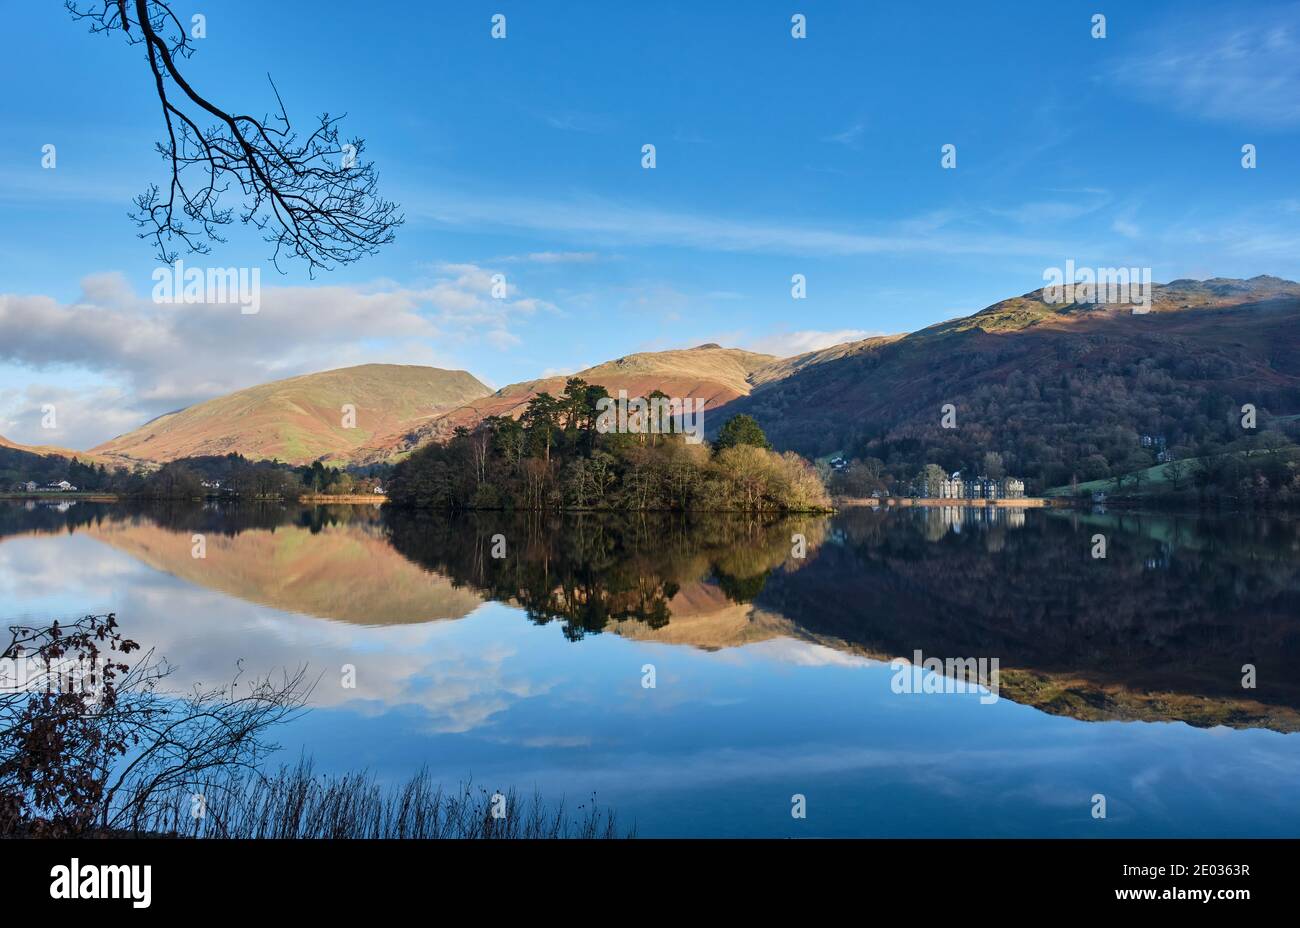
311	195
90	744
93	746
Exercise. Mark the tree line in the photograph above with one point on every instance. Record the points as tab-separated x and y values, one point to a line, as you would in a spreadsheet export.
557	455
197	477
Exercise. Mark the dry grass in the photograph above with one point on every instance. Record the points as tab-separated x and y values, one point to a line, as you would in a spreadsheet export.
296	803
298	420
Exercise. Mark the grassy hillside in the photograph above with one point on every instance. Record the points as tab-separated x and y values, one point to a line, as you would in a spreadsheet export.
15	450
18	465
301	419
1148	480
709	372
1184	475
347	571
1056	390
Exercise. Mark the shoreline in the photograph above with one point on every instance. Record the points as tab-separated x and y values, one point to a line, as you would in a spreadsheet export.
355	498
1028	502
839	504
92	497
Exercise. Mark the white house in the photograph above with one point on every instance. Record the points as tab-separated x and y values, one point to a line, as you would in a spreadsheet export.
62	487
951	487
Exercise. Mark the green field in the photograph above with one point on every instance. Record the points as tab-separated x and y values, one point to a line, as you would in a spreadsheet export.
1155	481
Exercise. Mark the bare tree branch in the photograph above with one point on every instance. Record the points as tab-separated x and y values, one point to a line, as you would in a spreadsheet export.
312	196
98	752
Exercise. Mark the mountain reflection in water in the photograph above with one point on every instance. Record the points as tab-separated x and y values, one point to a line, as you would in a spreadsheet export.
1159	630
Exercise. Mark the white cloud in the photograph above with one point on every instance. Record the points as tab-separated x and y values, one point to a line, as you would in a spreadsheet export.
786	344
807	654
1126	228
80	416
131	359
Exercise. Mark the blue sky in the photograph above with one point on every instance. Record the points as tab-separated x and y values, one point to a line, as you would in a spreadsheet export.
522	156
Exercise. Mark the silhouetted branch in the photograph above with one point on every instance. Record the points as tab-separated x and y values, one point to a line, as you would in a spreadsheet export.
312	196
89	743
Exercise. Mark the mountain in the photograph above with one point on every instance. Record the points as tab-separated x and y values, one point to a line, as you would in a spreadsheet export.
1144	644
20	463
345	571
1058	390
41	450
710	372
51	451
28	462
301	419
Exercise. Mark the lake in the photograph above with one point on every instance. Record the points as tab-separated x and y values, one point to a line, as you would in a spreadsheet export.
696	673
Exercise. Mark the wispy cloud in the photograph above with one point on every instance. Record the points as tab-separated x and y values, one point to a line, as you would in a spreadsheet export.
46	186
1126	228
600	221
1073	205
1222	70
554	257
690	138
850	137
574	121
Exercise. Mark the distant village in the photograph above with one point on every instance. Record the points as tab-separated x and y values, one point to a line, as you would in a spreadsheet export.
186	479
32	486
955	486
933	483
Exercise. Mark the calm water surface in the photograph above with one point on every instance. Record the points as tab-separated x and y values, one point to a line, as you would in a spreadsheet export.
772	673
